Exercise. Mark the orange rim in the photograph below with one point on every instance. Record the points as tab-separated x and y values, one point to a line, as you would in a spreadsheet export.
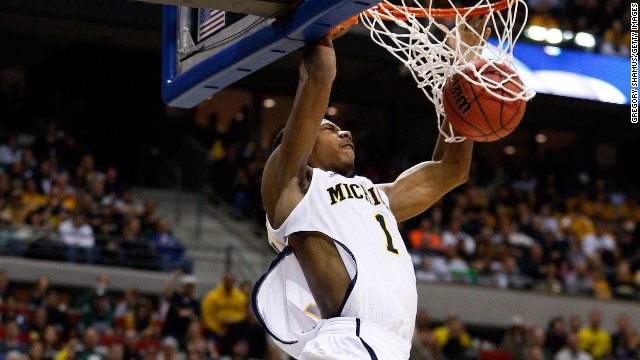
384	8
438	13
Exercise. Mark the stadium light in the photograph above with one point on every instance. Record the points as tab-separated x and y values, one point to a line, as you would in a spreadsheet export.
541	138
332	110
585	40
537	33
554	36
269	103
552	50
567	35
509	150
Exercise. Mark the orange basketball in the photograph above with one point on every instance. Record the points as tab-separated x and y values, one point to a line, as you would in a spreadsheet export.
477	114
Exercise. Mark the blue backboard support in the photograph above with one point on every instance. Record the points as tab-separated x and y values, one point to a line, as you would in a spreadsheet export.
188	79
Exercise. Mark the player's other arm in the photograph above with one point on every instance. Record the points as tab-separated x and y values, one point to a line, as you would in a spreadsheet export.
419	187
317	72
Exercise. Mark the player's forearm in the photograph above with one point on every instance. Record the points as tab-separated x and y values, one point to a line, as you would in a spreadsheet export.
456	156
317	73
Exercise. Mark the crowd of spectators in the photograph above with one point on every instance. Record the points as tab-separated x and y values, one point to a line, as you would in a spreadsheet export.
46	323
525	234
608	21
57	203
565	338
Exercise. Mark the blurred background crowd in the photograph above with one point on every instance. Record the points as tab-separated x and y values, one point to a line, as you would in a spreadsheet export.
609	22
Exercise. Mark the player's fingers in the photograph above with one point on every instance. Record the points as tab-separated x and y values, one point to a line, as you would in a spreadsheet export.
487	33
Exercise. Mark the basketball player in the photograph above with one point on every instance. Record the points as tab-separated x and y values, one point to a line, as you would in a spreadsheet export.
343	286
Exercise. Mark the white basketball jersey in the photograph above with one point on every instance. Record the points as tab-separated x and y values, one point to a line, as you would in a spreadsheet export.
356	214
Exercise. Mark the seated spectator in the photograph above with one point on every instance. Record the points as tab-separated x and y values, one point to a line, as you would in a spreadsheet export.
50	343
128	206
424	239
36	350
575	323
131	351
551	283
39	292
90	348
184	307
556	336
455	347
197	345
116	351
443	333
38	324
45	177
127	305
598	241
514	340
454	235
170	349
86	172
99	316
78	238
16	355
534	265
578	281
450	266
239	351
571	351
16	210
10	151
144	320
12	341
69	350
31	195
57	313
10	244
5	289
131	245
222	307
423	345
149	217
12	313
593	338
623	325
168	248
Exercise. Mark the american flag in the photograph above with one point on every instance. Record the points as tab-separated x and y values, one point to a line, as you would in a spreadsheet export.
209	22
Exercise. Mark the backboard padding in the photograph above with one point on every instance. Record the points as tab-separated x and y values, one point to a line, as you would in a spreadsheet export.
263	8
187	82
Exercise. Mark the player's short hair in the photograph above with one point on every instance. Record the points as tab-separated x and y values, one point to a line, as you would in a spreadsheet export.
277	140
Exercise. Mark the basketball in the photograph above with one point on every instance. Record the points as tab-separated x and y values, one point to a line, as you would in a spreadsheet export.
477	114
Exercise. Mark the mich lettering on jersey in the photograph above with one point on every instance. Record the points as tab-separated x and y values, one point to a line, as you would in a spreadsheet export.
341	191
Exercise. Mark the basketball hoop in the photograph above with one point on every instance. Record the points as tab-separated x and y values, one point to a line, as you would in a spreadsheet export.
425	40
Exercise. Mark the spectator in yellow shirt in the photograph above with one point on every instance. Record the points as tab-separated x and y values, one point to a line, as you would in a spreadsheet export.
442	333
223	306
593	338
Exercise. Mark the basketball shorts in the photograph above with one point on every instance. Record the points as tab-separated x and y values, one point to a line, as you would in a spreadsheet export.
345	338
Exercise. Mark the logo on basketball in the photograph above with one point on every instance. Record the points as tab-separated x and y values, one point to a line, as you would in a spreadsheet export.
462	103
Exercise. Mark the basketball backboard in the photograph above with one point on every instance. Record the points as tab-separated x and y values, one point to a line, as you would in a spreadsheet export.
206	50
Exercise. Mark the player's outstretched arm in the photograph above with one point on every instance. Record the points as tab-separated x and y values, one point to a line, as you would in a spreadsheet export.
421	186
418	188
289	160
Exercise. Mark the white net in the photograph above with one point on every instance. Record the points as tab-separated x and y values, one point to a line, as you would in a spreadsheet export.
431	43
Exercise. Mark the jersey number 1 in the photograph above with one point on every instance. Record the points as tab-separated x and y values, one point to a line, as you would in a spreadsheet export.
383	225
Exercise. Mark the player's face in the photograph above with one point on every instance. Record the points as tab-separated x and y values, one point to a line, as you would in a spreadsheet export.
333	150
